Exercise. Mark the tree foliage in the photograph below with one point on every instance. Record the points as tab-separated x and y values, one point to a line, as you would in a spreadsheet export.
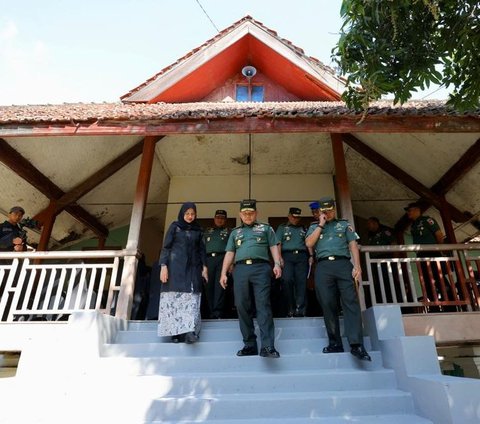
399	46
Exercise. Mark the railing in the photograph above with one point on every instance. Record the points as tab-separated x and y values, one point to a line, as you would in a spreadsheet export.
52	285
433	278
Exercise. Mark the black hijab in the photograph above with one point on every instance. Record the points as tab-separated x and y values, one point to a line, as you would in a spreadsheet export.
184	225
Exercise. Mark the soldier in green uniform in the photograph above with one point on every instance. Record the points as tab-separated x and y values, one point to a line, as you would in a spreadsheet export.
335	242
249	246
425	230
295	261
216	238
380	235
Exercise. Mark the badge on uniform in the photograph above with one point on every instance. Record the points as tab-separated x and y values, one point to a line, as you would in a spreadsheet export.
287	238
208	238
239	242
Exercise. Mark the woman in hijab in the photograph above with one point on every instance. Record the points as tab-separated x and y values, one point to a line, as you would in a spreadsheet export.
183	265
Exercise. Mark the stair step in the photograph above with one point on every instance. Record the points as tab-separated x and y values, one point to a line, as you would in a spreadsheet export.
218	348
282	405
210	334
222	383
233	323
170	365
365	419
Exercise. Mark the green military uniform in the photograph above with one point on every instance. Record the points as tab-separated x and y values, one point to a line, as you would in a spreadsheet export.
333	277
215	241
252	273
423	230
295	268
382	237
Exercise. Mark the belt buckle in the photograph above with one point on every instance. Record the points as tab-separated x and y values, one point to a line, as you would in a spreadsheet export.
213	254
248	261
331	258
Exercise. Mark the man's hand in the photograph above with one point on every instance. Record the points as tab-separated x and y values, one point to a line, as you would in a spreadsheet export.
277	270
357	273
223	281
18	244
205	273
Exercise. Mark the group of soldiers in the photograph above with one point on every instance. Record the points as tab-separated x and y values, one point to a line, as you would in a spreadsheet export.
329	243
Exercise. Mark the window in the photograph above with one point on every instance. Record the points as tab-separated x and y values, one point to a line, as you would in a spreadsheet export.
252	93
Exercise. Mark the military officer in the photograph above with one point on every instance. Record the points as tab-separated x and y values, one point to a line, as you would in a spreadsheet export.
216	238
335	242
12	237
295	261
315	208
425	230
380	235
249	246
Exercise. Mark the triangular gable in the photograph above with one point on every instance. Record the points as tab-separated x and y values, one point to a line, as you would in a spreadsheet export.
246	42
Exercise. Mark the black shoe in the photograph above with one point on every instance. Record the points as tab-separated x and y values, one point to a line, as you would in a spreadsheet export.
191	338
359	352
248	351
178	338
269	352
333	348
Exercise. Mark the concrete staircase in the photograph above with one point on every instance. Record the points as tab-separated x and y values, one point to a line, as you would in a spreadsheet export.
207	382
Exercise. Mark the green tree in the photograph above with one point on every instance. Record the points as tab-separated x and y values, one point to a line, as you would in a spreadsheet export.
400	46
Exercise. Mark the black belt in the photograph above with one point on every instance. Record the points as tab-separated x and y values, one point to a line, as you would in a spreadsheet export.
252	261
332	258
295	252
213	254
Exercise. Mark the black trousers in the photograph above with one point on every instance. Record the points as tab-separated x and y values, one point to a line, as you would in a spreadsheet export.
254	280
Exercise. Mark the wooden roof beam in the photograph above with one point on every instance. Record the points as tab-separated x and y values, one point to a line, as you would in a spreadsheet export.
400	175
100	176
466	162
23	168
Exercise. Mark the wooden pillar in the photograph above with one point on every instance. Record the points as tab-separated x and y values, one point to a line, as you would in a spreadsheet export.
101	243
47	227
344	199
125	298
447	222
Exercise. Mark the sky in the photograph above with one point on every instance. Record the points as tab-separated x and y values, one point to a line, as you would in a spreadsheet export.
68	51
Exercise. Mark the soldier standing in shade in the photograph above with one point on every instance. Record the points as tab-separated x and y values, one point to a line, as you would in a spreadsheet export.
216	238
425	230
379	235
335	242
295	261
249	246
12	237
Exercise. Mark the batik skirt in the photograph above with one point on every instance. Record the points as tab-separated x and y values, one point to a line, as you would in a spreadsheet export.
179	313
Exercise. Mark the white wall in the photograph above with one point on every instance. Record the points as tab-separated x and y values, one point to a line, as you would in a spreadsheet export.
274	194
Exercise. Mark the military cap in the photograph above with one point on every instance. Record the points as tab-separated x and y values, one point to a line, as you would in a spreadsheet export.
17	209
412	205
326	203
221	212
314	205
295	211
248	205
